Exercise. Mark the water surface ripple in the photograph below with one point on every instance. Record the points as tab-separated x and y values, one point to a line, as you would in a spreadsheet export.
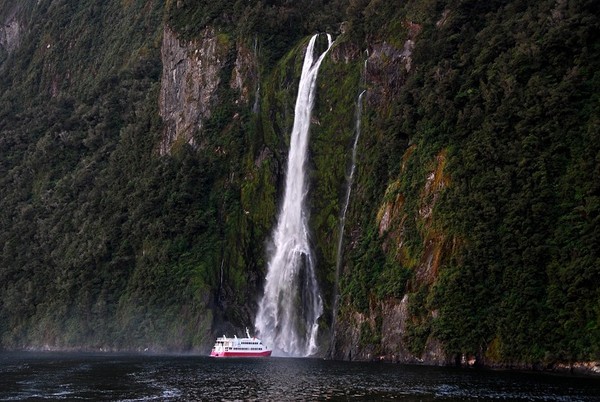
113	377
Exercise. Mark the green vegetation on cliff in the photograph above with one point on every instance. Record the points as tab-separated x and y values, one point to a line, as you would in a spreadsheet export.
475	208
509	92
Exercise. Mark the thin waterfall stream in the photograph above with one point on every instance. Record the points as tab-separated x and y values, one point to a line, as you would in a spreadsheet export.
291	305
350	180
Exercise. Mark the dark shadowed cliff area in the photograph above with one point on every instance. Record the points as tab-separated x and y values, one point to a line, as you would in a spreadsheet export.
143	148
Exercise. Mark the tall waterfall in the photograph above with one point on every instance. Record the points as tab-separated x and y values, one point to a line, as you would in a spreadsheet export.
291	304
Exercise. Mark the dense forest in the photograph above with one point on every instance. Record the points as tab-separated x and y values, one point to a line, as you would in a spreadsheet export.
473	226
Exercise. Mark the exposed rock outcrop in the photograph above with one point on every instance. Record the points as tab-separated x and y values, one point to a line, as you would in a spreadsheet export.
189	82
388	65
434	242
192	74
10	35
359	339
11	30
244	77
384	332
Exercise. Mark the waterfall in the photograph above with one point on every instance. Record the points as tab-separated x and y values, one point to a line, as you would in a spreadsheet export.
350	179
291	304
351	175
256	106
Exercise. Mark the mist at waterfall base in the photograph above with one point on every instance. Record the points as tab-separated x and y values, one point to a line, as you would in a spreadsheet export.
113	377
291	305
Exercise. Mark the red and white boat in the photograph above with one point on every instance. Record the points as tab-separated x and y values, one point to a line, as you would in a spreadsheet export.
239	347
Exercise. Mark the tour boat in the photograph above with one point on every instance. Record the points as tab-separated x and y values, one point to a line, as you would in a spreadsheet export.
239	347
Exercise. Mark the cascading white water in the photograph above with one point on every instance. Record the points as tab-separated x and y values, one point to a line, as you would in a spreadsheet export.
291	304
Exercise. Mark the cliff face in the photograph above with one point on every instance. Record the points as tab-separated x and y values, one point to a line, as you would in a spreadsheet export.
11	30
10	34
390	321
189	82
192	73
143	146
428	272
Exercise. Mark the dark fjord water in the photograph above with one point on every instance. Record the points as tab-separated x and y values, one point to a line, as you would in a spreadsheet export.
113	377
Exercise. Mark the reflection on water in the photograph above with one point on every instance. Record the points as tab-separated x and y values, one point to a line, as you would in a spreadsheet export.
54	376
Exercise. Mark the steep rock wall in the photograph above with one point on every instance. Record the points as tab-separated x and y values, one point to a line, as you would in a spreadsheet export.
192	74
11	30
398	328
384	316
10	35
190	78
